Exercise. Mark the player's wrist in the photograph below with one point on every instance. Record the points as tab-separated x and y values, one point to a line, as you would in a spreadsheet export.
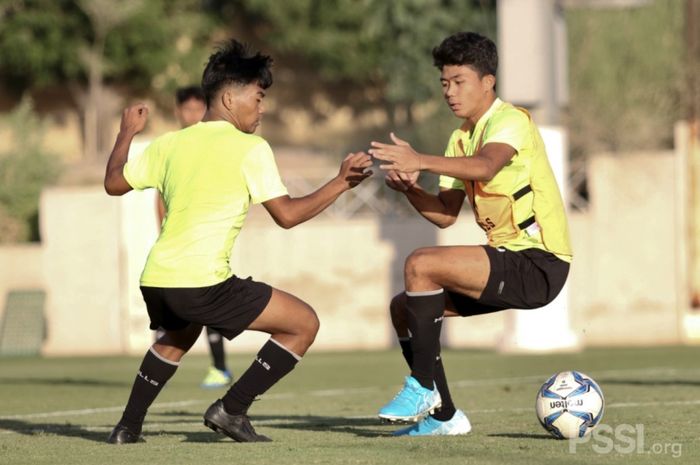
342	183
127	134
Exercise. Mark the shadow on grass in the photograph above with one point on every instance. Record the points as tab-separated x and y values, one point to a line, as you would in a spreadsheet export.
64	382
650	382
521	435
173	413
361	427
358	427
47	429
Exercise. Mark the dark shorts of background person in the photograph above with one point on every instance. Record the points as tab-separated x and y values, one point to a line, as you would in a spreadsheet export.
229	307
526	279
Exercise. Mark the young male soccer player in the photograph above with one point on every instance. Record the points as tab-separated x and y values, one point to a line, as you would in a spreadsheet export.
208	175
190	106
497	159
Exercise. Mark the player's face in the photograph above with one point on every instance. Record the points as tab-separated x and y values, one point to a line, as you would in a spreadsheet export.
190	112
467	94
247	108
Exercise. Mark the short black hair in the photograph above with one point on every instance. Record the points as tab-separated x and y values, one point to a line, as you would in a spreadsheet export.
470	49
235	63
183	94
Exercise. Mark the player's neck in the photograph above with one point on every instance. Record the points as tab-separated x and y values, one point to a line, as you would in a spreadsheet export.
213	114
471	120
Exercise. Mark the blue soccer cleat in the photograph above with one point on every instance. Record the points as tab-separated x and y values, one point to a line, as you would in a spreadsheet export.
412	403
429	426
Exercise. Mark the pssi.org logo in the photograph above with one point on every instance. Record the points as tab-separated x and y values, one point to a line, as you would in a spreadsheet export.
624	439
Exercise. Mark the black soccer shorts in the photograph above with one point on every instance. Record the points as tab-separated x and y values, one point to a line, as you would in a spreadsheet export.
228	307
526	279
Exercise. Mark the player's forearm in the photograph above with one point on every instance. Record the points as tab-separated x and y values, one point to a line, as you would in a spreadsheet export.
115	165
471	168
430	206
301	209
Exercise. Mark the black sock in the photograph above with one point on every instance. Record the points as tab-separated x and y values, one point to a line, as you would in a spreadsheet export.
425	313
405	343
216	344
154	372
448	409
270	365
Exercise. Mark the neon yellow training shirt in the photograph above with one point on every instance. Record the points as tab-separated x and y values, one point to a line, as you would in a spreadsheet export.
521	207
208	174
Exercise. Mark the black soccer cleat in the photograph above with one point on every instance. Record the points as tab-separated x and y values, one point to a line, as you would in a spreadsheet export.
123	435
237	427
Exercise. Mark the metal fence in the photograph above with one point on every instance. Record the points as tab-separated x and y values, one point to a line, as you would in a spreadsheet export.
374	197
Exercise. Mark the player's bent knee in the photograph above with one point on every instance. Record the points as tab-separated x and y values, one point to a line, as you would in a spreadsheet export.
312	325
417	264
306	324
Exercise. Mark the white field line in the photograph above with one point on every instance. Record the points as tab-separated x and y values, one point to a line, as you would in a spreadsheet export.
272	422
152	427
353	391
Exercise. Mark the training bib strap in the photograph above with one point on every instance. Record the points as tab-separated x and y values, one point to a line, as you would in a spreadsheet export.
522	192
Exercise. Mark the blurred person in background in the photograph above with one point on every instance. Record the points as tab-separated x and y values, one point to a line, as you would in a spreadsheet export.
190	106
208	174
496	158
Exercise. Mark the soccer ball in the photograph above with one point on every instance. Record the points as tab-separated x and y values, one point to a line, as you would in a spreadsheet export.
569	405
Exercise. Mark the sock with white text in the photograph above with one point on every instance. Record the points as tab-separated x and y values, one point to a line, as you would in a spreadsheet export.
154	372
271	364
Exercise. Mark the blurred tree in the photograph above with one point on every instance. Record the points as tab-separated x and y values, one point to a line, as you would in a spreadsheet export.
103	20
25	168
85	45
377	51
626	77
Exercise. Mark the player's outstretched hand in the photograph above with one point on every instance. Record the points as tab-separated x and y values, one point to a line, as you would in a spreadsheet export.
354	170
134	119
398	156
401	182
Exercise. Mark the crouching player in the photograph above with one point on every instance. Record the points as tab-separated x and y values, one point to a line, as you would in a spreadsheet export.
498	160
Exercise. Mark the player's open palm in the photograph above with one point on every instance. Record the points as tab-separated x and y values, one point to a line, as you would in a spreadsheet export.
134	118
398	156
401	181
354	170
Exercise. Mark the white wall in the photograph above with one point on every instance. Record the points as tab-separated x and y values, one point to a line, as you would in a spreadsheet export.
623	289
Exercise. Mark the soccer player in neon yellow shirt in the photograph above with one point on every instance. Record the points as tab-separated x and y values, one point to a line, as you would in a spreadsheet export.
190	106
208	175
497	159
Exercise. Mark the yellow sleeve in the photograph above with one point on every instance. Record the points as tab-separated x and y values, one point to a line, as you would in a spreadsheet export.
261	174
510	127
144	170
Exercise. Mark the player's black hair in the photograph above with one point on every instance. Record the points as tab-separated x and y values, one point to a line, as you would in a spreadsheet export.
235	63
183	94
467	48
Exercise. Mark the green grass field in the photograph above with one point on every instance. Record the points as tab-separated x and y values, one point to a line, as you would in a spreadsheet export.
60	411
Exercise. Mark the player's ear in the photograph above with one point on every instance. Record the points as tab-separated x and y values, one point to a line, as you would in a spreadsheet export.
489	82
228	98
